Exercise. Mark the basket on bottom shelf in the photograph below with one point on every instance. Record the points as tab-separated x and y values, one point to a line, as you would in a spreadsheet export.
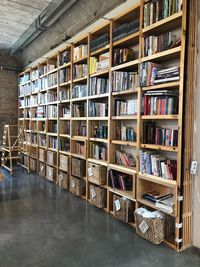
150	225
50	173
42	169
33	165
63	180
98	196
97	174
77	186
123	208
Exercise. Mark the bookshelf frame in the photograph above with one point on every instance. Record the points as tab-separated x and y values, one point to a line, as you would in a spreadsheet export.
178	243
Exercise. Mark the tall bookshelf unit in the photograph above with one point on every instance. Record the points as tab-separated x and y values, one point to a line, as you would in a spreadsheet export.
63	115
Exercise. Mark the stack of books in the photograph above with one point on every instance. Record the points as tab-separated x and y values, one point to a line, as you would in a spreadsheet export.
65	57
98	86
122	55
65	75
125	159
99	151
80	71
79	90
80	51
157	165
125	29
118	180
125	107
52	111
52	79
153	134
161	102
99	63
98	109
152	73
65	112
100	131
157	10
124	133
154	44
79	110
99	42
122	80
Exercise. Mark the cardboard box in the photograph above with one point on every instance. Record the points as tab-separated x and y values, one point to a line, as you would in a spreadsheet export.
123	208
78	167
77	186
64	162
50	173
97	174
42	155
52	158
63	180
98	196
42	169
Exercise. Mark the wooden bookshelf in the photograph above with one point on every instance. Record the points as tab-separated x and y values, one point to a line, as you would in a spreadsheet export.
68	127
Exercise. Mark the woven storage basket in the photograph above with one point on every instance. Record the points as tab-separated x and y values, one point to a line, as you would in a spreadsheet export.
126	211
155	231
63	180
97	196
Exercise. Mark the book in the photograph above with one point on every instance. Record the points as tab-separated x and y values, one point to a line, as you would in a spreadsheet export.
98	109
124	133
98	86
80	51
80	71
99	42
125	159
125	29
125	107
122	55
79	90
65	57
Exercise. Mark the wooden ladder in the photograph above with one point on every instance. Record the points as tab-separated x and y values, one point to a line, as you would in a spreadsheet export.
11	145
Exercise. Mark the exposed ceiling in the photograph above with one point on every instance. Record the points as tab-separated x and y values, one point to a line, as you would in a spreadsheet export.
15	18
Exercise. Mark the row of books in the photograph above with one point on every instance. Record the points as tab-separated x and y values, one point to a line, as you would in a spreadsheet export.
64	144
65	75
99	42
124	133
25	89
125	159
125	29
36	86
80	129
100	62
98	86
25	78
42	140
52	79
34	74
52	111
100	131
154	44
99	151
64	94
51	65
47	97
65	127
157	10
53	142
155	164
80	51
65	112
42	70
65	57
157	135
79	90
160	102
79	110
80	71
122	80
79	148
163	201
118	180
97	109
152	73
125	107
53	127
122	55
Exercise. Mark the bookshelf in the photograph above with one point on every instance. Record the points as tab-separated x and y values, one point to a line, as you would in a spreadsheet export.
94	108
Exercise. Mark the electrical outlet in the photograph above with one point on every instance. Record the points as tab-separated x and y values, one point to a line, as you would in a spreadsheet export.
193	168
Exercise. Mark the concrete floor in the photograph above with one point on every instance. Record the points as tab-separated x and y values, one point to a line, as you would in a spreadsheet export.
44	226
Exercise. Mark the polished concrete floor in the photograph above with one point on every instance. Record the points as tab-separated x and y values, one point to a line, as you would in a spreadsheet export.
44	226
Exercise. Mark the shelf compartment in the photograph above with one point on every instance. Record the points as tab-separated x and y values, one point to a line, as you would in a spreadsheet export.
122	193
160	147
80	60
157	179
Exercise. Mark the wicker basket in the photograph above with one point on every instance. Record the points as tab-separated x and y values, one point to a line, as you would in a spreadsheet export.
153	228
125	211
63	180
97	196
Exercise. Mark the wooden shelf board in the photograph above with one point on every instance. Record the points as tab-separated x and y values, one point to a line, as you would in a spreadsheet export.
25	82
100	72
125	117
124	143
65	152
52	103
78	156
125	92
160	117
52	87
163	23
52	119
64	135
80	79
78	118
52	71
98	118
167	54
43	147
79	99
158	180
121	168
132	38
100	185
65	101
65	118
98	96
65	83
171	85
160	147
102	140
80	60
52	134
125	65
153	206
52	149
43	75
65	65
79	138
61	169
41	132
123	193
98	161
100	50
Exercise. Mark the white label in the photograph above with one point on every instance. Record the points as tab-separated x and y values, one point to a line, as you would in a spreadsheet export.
143	227
117	205
61	176
90	172
93	193
73	183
